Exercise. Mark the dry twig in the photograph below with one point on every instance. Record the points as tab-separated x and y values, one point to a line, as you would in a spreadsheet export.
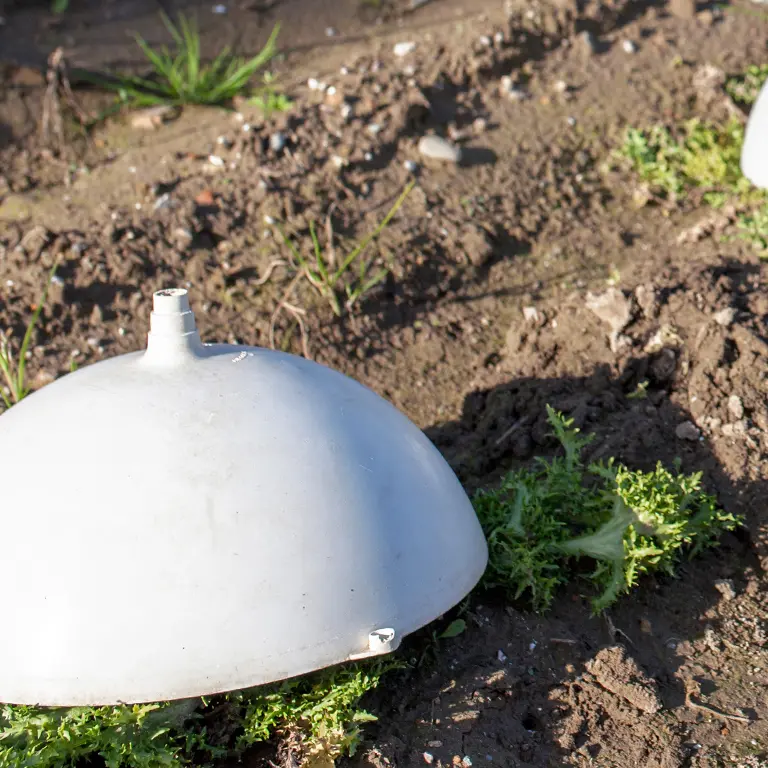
298	314
270	269
52	123
691	687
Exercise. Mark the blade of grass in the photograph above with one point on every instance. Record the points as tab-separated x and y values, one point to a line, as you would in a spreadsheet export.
321	268
172	29
239	79
15	380
192	48
313	277
22	365
373	235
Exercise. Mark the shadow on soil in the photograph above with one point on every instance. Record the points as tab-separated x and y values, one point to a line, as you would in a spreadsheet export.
512	690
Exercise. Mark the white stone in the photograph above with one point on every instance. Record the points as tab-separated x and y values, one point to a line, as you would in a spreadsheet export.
403	49
437	148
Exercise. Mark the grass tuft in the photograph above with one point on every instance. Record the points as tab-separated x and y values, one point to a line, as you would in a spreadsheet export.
344	282
13	367
544	525
181	77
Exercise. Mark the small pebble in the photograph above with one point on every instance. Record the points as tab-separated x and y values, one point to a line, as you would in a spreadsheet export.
501	656
587	42
687	430
219	9
561	86
531	314
330	32
277	141
485	41
466	762
152	117
438	148
735	407
571	121
511	91
725	316
725	588
216	161
428	758
313	84
629	46
368	157
498	38
346	110
374	129
410	166
403	49
164	201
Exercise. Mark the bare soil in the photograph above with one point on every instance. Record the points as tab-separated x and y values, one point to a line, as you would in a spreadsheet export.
531	218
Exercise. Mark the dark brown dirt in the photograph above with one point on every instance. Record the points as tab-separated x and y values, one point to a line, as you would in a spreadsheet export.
532	219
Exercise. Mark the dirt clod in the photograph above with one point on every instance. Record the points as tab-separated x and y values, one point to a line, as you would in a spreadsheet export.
620	674
612	307
688	431
683	9
152	118
725	588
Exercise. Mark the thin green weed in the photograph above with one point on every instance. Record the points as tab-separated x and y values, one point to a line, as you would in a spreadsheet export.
13	366
342	282
544	524
270	100
181	77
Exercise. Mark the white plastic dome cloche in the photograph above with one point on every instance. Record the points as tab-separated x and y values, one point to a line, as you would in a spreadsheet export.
754	153
195	518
